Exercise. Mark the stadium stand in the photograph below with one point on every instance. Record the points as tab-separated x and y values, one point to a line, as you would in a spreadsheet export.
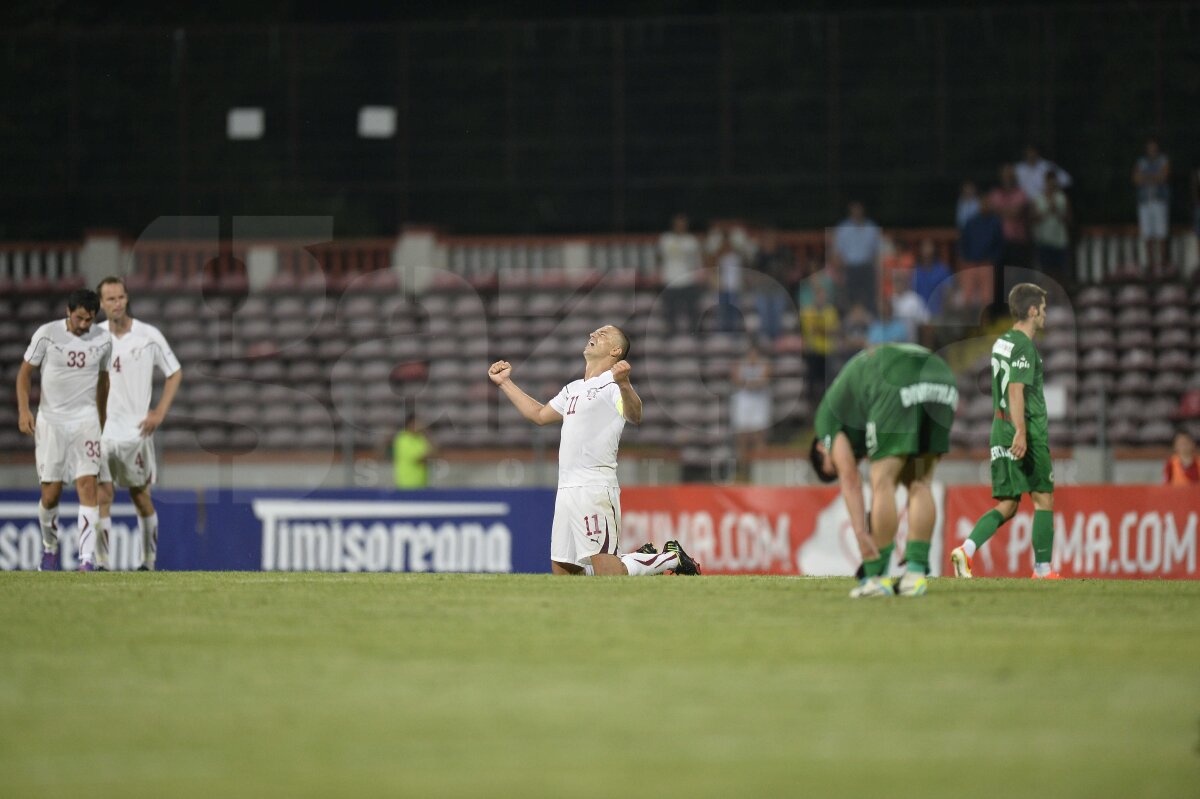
327	349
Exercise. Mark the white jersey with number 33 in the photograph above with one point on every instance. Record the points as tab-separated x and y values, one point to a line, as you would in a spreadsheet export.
593	419
131	377
70	366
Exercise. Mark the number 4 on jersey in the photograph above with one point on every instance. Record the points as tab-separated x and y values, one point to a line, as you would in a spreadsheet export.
116	365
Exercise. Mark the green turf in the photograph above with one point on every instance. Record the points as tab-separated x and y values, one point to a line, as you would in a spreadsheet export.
219	685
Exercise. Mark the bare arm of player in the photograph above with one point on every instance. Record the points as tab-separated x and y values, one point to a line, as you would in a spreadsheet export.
852	492
102	397
631	403
25	420
500	373
1016	409
155	416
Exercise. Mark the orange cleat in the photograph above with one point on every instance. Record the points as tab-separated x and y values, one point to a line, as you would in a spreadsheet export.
1050	576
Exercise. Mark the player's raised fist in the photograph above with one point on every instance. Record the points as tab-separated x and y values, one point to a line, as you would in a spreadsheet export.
620	371
500	371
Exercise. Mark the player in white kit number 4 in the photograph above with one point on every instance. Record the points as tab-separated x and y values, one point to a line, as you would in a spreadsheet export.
585	535
127	446
73	357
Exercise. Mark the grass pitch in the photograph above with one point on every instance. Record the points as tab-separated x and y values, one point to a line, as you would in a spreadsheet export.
245	684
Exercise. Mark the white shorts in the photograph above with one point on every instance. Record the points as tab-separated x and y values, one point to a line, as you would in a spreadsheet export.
66	452
587	521
1152	219
750	411
129	464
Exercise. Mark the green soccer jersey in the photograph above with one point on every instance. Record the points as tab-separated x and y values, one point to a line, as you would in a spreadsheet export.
885	399
843	408
1015	359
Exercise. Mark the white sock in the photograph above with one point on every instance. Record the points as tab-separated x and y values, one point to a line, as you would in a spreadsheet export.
1041	569
102	541
48	519
968	546
638	564
89	520
588	571
149	528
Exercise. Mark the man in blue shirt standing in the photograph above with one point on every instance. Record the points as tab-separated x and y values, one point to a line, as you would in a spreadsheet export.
930	277
1151	176
981	249
856	250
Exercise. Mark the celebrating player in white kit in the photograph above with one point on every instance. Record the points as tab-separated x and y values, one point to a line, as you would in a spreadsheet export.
73	357
585	536
127	446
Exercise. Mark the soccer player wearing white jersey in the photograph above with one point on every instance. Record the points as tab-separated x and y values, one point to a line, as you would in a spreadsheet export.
585	535
73	358
127	446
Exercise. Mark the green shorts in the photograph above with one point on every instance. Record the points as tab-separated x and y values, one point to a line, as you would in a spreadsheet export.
899	424
1013	478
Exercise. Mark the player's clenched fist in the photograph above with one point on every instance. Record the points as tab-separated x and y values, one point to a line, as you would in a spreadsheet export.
500	371
26	423
620	371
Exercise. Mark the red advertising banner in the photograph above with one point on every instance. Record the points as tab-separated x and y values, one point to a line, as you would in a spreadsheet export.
751	530
1099	531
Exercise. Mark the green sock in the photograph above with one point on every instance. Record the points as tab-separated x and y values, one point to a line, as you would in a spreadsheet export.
879	566
1043	535
917	556
986	527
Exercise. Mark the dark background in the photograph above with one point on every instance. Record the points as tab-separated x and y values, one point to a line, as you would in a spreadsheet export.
515	120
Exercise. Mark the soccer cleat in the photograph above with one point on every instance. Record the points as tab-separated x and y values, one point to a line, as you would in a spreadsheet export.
646	549
86	566
912	584
961	561
687	565
49	562
873	586
144	568
1047	576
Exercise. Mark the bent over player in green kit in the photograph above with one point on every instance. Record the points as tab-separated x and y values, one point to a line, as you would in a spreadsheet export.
893	404
1019	441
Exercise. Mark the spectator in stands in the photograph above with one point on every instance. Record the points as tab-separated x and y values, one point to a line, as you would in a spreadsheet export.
1052	217
1031	173
1151	177
980	247
1012	206
772	271
819	330
729	285
887	329
896	257
855	328
750	405
680	257
907	306
856	243
930	277
968	203
1183	467
411	451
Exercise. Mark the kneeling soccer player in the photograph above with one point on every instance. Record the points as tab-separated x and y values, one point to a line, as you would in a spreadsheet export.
585	537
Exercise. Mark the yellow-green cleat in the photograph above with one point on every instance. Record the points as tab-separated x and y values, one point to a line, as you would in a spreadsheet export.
873	586
912	584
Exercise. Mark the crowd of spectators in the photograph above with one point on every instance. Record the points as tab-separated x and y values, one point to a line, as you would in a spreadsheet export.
871	289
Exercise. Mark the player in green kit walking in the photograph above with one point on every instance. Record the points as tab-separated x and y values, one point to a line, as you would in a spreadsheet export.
1020	444
893	404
